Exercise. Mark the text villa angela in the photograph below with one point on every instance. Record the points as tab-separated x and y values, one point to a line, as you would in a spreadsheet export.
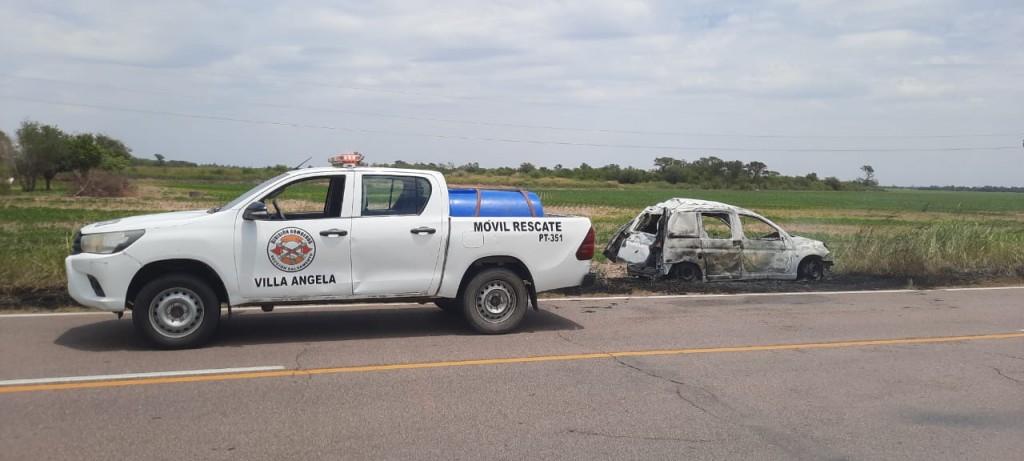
295	280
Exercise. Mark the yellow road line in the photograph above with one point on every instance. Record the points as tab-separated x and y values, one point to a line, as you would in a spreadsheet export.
509	360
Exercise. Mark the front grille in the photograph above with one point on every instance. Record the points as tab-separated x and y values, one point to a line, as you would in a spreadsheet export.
76	243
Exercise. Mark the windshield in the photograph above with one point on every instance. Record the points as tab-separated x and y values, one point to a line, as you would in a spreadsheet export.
246	196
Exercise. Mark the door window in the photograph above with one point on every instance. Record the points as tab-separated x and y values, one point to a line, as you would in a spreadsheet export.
394	195
716	225
758	229
648	223
307	199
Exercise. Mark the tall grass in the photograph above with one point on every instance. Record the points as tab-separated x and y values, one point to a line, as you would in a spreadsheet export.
941	248
888	201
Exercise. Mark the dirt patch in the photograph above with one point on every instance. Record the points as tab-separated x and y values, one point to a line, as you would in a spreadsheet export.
32	300
612	280
643	287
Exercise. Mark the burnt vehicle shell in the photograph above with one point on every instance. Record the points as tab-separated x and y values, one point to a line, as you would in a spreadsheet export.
703	240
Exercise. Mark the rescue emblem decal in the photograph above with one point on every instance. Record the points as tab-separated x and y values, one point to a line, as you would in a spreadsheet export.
291	249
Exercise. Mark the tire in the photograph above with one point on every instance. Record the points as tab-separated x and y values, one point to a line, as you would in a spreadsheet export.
495	301
811	269
449	306
176	311
686	272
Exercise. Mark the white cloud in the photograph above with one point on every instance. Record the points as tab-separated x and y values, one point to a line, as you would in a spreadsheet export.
885	40
912	86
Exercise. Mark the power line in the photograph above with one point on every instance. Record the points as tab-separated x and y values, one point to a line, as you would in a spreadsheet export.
499	124
502	140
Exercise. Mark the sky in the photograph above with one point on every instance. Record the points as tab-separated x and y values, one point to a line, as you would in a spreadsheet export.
927	92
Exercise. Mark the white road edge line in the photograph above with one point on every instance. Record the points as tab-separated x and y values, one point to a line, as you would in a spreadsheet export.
584	299
157	374
981	288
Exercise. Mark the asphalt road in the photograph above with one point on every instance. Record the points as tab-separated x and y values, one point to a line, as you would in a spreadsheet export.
880	375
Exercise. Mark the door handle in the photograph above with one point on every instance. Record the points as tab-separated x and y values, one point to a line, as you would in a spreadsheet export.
423	230
334	233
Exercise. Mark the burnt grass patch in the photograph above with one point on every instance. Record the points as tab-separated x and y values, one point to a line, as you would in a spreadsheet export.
618	286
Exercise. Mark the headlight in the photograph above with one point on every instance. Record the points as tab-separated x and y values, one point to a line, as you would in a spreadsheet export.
109	242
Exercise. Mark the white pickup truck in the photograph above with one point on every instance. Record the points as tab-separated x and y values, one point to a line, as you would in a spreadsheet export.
331	235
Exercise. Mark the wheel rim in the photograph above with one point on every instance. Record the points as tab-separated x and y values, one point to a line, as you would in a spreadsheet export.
496	301
176	312
687	273
815	271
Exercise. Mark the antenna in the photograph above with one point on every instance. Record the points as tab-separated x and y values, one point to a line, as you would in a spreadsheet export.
303	163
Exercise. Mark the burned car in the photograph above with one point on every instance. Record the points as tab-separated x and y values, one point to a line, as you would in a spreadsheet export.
703	240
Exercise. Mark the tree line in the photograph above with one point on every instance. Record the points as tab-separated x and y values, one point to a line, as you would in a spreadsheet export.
40	151
703	173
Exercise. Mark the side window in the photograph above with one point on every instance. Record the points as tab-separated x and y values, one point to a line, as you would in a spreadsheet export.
306	199
648	223
394	195
683	224
756	229
716	225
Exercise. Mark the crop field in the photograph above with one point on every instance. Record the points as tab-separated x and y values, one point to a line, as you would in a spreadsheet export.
895	233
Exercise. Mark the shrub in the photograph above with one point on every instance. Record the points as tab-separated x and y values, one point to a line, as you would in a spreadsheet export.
101	184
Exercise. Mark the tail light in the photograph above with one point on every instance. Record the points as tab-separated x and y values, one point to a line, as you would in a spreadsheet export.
586	249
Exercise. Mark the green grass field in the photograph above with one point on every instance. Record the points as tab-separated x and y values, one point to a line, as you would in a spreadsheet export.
901	200
905	233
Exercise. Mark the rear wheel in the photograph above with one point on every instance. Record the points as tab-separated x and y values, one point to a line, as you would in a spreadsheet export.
494	302
685	272
176	311
811	269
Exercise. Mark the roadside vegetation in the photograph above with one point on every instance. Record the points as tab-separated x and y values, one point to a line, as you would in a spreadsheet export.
872	234
928	236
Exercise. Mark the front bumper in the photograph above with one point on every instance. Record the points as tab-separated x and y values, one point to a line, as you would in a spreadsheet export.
100	281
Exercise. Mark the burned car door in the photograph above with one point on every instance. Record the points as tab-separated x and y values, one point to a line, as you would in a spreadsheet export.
612	250
682	241
721	250
766	253
640	243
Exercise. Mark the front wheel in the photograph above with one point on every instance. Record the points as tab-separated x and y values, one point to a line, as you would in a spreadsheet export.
176	311
811	269
495	301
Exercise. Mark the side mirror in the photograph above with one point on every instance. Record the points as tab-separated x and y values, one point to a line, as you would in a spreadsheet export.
255	210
